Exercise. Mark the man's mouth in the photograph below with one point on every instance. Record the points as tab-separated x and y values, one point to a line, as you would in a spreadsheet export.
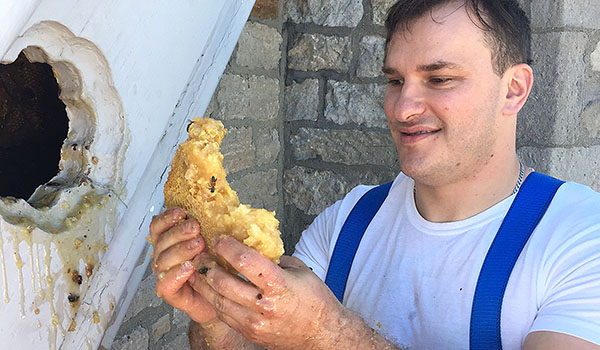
420	132
413	135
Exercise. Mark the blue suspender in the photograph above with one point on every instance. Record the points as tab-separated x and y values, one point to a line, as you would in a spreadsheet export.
525	213
352	231
527	209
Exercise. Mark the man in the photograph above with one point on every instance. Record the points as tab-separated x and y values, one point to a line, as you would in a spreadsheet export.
457	77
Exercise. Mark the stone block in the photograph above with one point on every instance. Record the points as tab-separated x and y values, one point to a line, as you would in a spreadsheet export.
578	164
565	13
145	297
311	190
161	327
331	13
265	9
181	320
370	61
314	52
595	58
551	116
380	9
302	100
259	189
355	103
181	342
267	145
590	119
259	46
238	152
136	340
254	97
350	147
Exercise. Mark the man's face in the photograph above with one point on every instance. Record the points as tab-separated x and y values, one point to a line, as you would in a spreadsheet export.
443	100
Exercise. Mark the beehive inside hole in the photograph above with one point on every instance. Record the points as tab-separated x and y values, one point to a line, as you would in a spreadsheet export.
33	126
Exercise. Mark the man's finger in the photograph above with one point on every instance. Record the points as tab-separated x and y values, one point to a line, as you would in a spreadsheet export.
259	270
230	286
177	254
291	262
164	221
183	231
170	283
225	308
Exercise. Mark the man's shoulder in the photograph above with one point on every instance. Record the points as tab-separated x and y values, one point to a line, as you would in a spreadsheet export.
578	195
575	207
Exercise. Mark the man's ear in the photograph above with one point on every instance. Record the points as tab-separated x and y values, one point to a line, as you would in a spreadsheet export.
520	80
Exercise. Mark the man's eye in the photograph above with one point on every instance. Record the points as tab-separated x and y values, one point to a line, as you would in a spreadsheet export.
395	82
440	80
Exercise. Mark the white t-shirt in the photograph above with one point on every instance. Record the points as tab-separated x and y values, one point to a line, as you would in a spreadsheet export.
413	280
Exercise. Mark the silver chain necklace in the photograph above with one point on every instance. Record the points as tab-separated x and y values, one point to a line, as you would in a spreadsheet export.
521	176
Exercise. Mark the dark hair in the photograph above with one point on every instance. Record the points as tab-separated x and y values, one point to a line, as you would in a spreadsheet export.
505	26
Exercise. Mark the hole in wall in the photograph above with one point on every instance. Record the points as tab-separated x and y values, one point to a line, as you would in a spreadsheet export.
33	126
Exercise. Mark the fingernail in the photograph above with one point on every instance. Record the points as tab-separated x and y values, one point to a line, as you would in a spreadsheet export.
221	240
191	226
178	215
195	243
187	266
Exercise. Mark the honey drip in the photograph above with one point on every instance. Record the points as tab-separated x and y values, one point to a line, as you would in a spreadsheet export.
19	264
62	262
50	298
30	245
3	262
38	270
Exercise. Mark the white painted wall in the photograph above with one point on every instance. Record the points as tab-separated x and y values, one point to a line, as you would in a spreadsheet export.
13	16
165	59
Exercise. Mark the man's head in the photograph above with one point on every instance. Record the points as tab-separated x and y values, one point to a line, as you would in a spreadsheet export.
505	25
451	111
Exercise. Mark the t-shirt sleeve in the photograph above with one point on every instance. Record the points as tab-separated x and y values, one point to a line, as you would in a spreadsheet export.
571	303
314	245
318	240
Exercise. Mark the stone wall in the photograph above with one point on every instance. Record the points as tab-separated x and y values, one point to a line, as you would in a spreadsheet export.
302	98
559	130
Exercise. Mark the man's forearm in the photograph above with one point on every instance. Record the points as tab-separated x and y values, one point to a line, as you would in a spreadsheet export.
351	332
217	336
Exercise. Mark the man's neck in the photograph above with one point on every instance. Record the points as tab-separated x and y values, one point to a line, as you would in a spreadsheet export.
468	197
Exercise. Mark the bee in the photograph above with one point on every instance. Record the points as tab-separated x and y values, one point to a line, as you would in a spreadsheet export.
73	298
213	182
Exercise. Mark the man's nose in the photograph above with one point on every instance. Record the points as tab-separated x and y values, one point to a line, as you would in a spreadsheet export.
409	102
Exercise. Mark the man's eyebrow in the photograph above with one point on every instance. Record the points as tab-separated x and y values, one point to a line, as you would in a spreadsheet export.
388	70
437	66
425	67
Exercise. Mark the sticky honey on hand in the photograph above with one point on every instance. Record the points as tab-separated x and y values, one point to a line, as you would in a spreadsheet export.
197	183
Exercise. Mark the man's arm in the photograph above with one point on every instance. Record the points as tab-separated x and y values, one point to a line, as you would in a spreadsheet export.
283	307
556	341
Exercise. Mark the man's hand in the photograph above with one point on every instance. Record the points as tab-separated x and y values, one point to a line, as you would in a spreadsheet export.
279	307
177	240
